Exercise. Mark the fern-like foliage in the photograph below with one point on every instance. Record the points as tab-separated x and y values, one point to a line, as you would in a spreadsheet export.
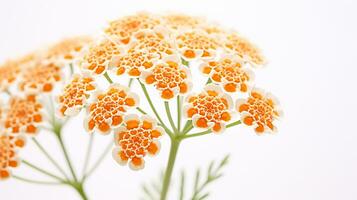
214	172
152	190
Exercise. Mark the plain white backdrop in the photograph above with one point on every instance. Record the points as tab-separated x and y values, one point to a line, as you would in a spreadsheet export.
311	47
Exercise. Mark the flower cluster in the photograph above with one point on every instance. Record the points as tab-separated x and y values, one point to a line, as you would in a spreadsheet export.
75	94
9	146
259	111
23	115
135	139
107	111
210	109
229	73
162	52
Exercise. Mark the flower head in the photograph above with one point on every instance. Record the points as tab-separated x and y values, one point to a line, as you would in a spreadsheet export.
197	44
125	27
107	111
67	49
210	109
40	77
137	138
23	115
245	49
75	94
8	153
101	56
170	77
9	72
259	111
229	73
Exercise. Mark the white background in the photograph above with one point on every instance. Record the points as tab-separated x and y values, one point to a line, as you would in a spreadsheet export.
311	46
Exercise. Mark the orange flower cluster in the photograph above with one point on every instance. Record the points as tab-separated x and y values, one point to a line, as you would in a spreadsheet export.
9	146
229	73
138	137
210	109
9	72
75	95
101	56
197	44
42	77
67	50
23	115
124	28
169	77
259	111
107	111
245	49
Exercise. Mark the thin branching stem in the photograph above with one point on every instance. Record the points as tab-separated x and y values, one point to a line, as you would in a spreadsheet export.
210	131
169	116
88	155
106	75
154	109
49	157
27	180
45	172
100	159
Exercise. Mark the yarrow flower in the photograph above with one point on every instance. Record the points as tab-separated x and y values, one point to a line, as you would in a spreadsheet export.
75	94
125	27
107	111
9	146
101	56
197	44
259	111
170	77
211	109
41	77
9	72
137	138
245	49
67	50
23	115
229	72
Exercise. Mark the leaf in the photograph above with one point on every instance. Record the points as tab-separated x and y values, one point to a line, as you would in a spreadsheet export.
213	173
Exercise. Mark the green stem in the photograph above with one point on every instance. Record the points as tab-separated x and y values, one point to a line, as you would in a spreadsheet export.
106	75
71	68
43	150
80	189
100	159
154	109
179	105
35	181
88	155
168	113
49	174
130	82
175	144
209	131
141	110
188	126
63	147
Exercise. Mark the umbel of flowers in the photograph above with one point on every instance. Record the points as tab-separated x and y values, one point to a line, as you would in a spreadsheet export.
41	91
